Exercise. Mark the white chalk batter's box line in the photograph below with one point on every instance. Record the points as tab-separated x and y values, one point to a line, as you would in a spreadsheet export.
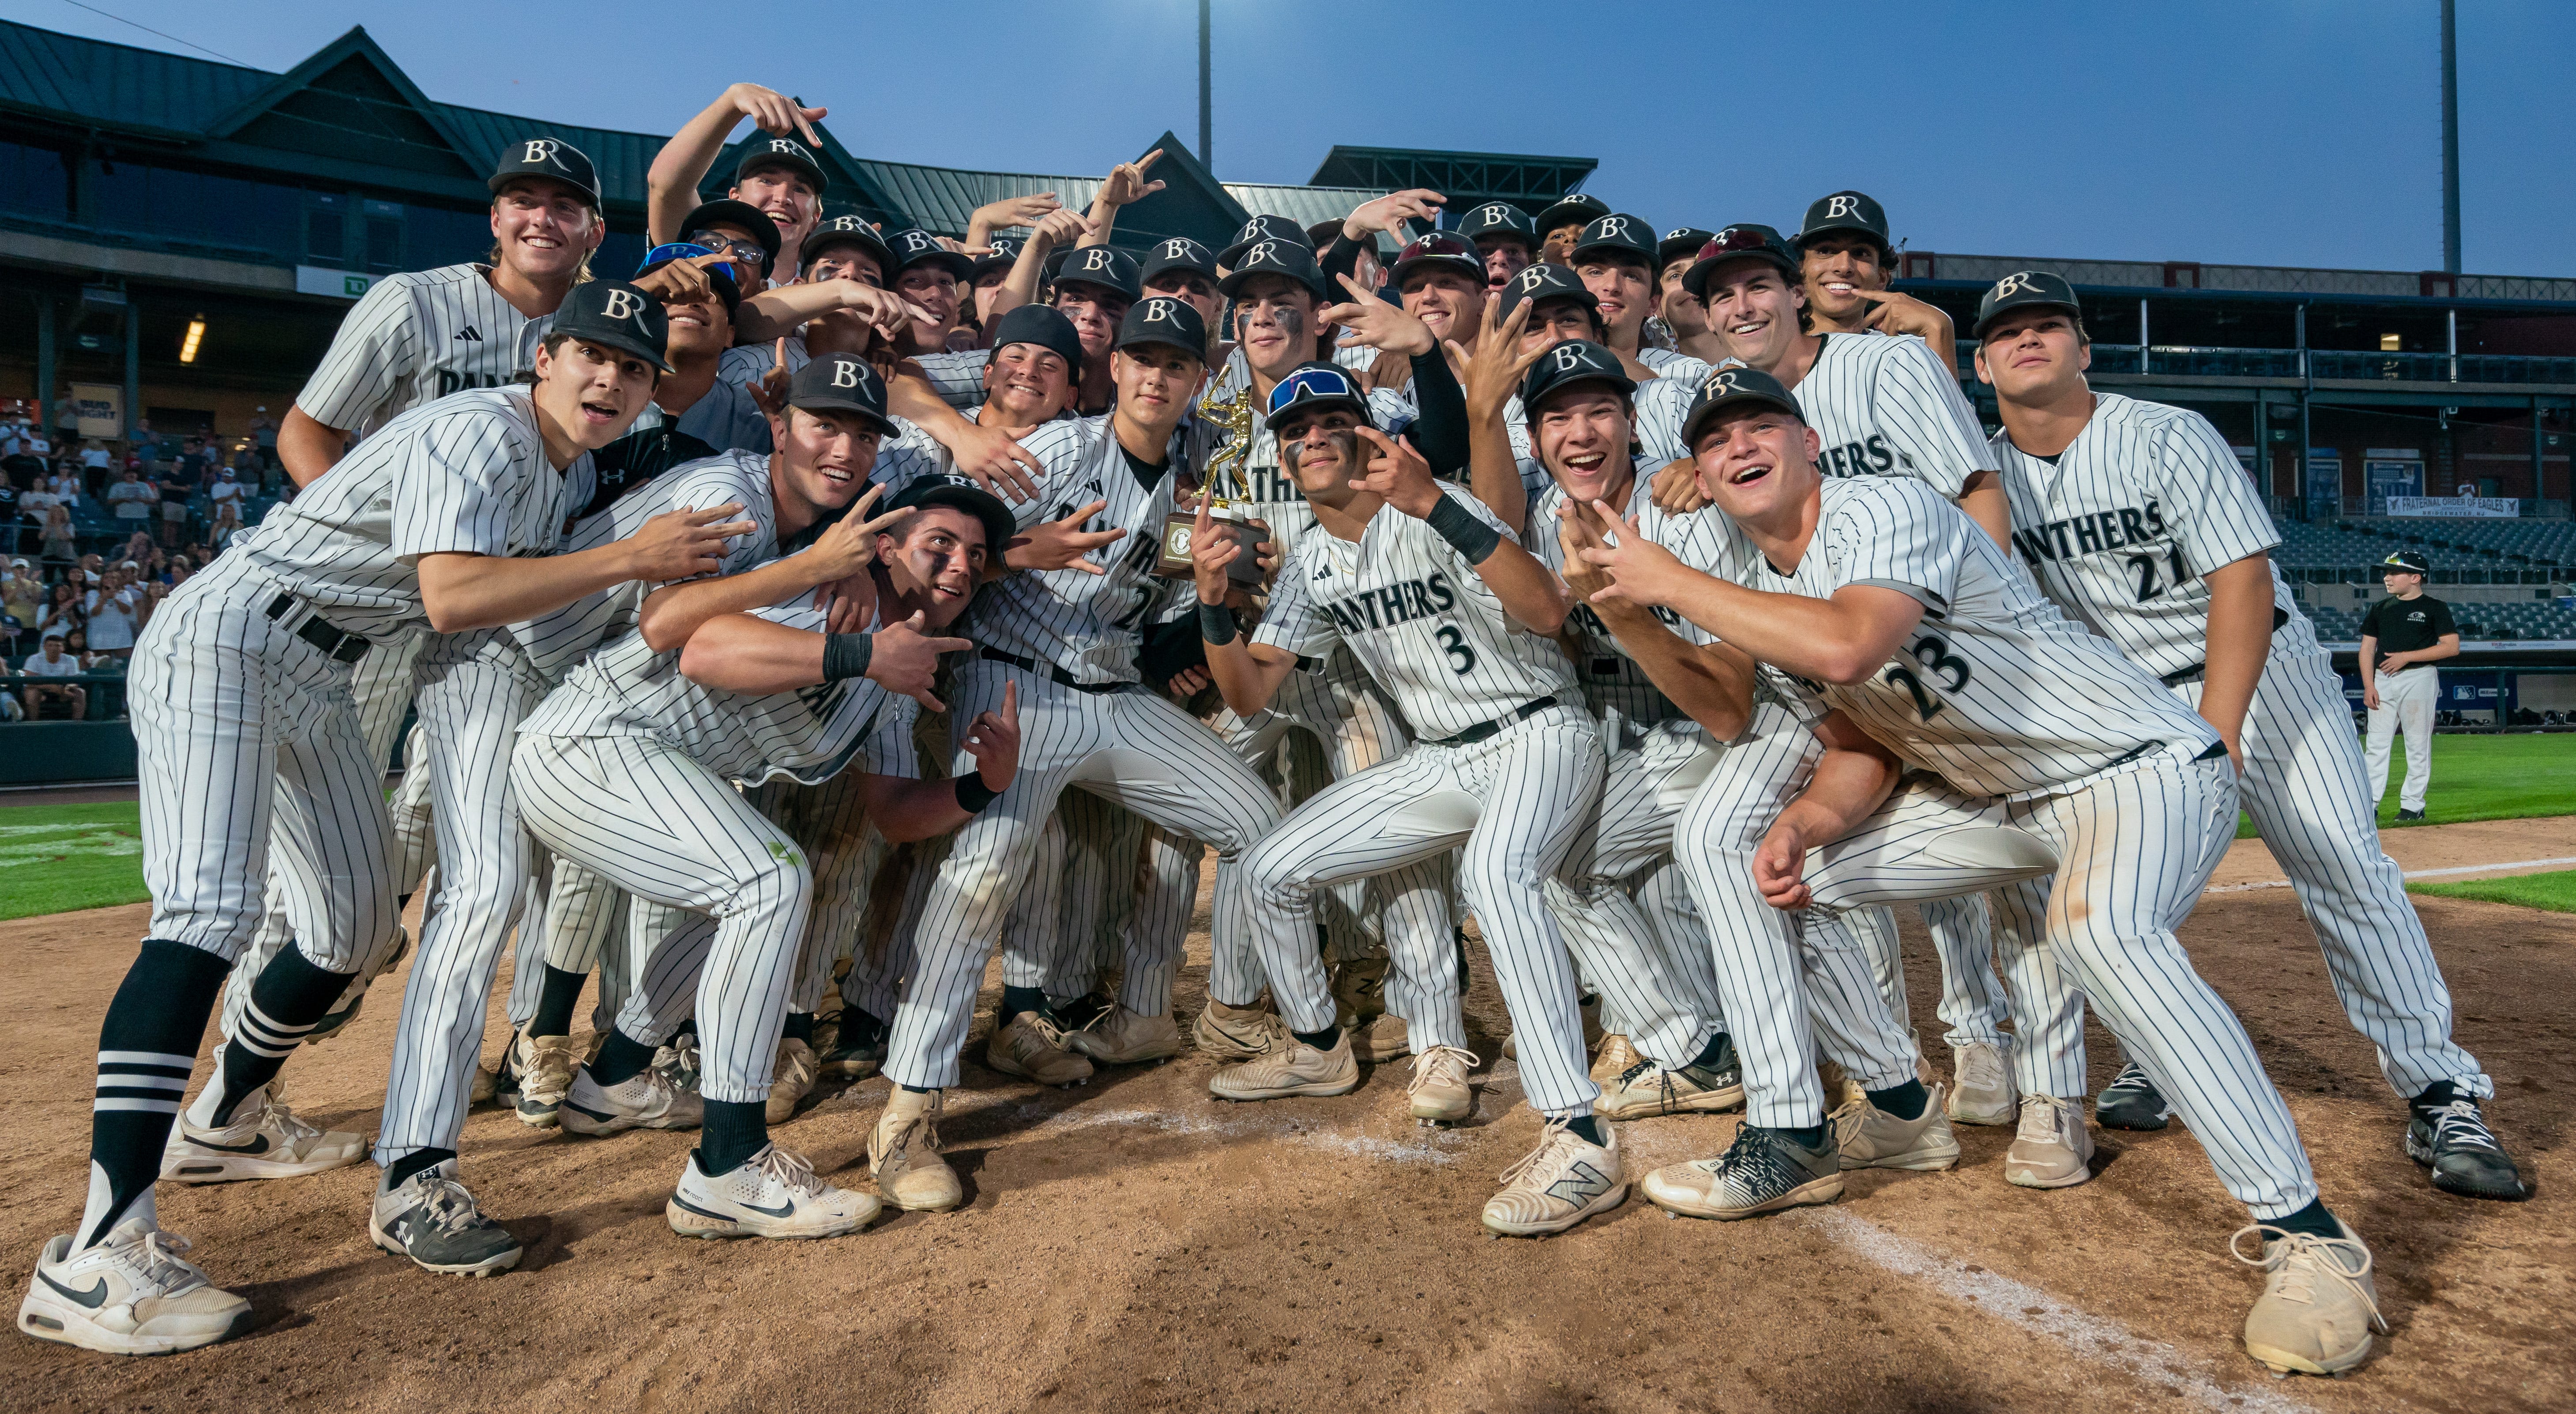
2411	874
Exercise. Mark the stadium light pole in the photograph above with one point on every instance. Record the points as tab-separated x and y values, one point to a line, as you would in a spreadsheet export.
2450	132
1206	114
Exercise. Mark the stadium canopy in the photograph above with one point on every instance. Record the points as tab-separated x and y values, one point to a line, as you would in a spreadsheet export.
1466	178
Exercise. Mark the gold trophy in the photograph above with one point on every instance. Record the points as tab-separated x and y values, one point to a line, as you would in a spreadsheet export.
1221	484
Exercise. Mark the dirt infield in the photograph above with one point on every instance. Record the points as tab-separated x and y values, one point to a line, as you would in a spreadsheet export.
1133	1244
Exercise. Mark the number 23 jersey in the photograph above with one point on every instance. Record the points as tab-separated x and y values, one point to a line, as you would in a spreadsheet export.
1419	618
1995	690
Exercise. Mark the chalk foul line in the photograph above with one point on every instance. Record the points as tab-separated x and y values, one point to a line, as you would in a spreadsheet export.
2411	874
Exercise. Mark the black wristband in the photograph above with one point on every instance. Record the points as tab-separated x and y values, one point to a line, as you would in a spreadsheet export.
1464	532
973	795
845	655
1216	622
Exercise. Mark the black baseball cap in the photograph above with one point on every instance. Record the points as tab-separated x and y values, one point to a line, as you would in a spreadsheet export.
1004	254
1567	363
1310	387
1572	211
1294	259
1501	219
947	488
2407	561
848	230
741	215
767	150
549	157
1440	250
914	246
1616	234
1735	243
1037	324
617	314
1847	211
1162	319
1178	253
1545	280
2024	289
1678	242
1262	228
1733	386
1104	265
841	382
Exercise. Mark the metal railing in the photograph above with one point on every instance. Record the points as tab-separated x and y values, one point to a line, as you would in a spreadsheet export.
2198	361
106	693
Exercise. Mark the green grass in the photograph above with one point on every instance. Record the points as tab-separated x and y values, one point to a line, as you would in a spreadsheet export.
56	858
2484	778
2555	891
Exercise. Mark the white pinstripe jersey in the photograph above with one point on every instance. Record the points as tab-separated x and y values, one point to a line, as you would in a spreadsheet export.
2120	528
748	363
1610	678
558	640
1276	501
1884	406
1087	624
415	337
1673	363
1661	405
912	451
1995	690
1418	617
465	474
808	735
958	376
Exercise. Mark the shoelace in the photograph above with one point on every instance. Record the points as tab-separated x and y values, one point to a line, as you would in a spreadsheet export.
450	1205
1534	1163
153	1255
791	1171
2459	1125
1754	1162
1431	1062
1980	1068
2039	1120
2130	1078
2297	1277
926	1124
1046	1028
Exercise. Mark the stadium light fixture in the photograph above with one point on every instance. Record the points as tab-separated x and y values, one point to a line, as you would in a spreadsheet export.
2390	343
188	346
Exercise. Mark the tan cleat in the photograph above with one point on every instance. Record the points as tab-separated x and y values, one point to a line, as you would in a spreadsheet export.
545	1065
1359	1002
1614	1058
1439	1086
791	1078
1124	1037
1840	1089
1566	1179
1295	1069
1032	1046
2054	1148
903	1153
1981	1085
1762	1171
1871	1138
1646	1089
1238	1033
2318	1305
265	1140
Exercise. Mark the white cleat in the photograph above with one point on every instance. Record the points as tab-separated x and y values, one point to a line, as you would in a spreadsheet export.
645	1100
130	1294
265	1140
773	1194
1439	1092
1981	1085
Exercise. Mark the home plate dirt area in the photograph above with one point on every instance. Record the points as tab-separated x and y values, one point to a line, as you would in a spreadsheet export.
1133	1244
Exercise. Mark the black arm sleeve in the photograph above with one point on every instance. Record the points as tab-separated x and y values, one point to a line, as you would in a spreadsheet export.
1342	257
1440	430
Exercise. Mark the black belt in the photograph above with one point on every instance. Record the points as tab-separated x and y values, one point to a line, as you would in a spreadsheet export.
2179	676
339	647
1050	670
1483	731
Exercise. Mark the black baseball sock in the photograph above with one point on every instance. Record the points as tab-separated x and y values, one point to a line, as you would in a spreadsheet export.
1589	1126
1713	1058
1019	999
799	1026
556	998
860	1027
400	1171
734	1130
289	996
146	1048
1323	1040
621	1058
2435	1096
2313	1220
1904	1101
1810	1136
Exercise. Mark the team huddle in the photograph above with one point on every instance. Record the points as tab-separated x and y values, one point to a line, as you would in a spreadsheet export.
796	621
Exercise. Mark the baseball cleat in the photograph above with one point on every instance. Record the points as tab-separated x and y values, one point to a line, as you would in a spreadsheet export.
1359	1003
1295	1069
2318	1304
1763	1171
2410	817
1032	1046
903	1154
1645	1089
487	1086
128	1294
2053	1149
677	1060
791	1079
2130	1101
1871	1138
544	1065
644	1100
2464	1155
265	1140
1566	1179
433	1219
859	1051
773	1194
1981	1085
1083	1012
1123	1037
1381	1038
1438	1090
1237	1033
1615	1058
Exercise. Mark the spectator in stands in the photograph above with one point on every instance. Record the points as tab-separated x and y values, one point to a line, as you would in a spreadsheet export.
156	566
53	662
145	445
22	592
95	461
62	612
154	591
179	486
112	618
136	547
11	527
227	524
180	568
92	568
225	490
2402	636
263	435
57	546
130	500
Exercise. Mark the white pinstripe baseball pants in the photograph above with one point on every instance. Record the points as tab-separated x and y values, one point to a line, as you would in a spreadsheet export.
666	829
830	823
1133	747
1514	806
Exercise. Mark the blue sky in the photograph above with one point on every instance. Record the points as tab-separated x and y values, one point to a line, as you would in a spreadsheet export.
2280	132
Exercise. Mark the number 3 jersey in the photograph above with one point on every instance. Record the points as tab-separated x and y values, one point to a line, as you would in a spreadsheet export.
1995	690
1419	619
2121	526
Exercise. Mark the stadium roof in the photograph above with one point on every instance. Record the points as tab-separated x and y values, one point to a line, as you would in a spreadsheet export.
1466	178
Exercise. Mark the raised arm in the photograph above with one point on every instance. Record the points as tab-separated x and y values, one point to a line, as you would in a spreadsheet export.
1494	374
672	613
1531	593
1124	185
1712	683
463	591
671	185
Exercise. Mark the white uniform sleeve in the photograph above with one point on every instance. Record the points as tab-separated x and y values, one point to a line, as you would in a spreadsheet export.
719	482
1927	418
378	339
451	493
1065	448
2207	498
1898	534
745	363
889	749
958	378
1294	620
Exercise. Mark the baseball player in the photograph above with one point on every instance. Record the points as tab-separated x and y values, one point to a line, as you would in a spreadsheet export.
1504	237
1846	261
248	737
1560	226
1684	318
1453	618
2048	766
1617	257
1441	280
776	175
2399	635
2137	519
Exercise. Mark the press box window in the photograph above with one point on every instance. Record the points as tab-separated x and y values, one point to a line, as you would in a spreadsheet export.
384	237
326	228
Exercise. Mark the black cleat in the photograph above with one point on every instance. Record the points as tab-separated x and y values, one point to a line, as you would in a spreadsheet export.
2454	1142
2130	1101
1084	1012
2410	817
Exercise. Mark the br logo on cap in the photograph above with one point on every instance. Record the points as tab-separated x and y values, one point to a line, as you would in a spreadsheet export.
1494	214
2024	282
1097	258
1259	253
1837	207
621	304
1720	383
786	148
543	149
1177	248
849	373
1614	228
1570	357
1161	311
1531	277
917	240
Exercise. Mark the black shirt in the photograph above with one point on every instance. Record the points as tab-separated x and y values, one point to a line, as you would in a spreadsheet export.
2404	625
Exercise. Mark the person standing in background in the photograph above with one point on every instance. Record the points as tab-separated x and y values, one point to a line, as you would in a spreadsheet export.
2400	637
